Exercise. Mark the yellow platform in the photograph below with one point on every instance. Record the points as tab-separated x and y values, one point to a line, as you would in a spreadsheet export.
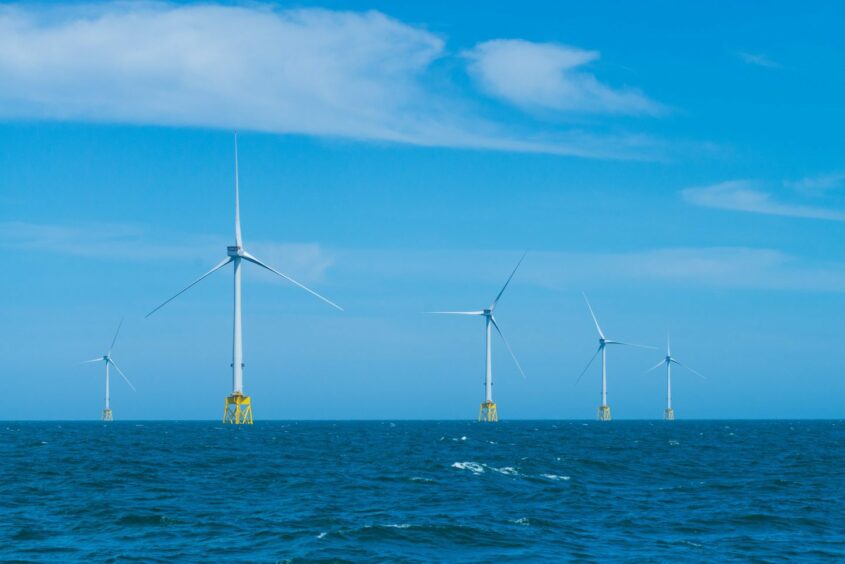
238	410
107	416
669	414
488	412
604	413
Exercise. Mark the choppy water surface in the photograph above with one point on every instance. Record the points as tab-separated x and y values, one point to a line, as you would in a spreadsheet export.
422	491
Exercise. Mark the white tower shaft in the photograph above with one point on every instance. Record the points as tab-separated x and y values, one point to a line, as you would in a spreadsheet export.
488	380
604	376
237	336
668	385
107	385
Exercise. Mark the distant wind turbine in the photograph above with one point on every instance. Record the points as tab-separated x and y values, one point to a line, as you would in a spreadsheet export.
238	408
488	410
669	360
604	409
109	361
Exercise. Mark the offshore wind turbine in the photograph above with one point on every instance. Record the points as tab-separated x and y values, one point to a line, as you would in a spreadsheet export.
109	361
669	360
604	409
488	411
238	408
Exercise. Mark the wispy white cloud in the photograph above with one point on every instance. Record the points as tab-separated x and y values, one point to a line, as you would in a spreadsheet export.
748	196
707	267
721	267
819	184
354	75
549	76
758	60
115	242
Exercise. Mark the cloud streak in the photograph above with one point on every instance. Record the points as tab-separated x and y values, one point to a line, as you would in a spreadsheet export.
351	75
758	60
549	76
746	196
715	267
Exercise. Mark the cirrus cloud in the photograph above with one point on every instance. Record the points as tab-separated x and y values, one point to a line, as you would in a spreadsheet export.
549	76
351	75
747	196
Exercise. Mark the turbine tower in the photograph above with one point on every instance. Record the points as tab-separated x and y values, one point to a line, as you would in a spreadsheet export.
109	361
604	409
488	411
238	408
669	360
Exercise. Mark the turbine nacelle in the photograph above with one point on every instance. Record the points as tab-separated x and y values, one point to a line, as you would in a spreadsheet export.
235	250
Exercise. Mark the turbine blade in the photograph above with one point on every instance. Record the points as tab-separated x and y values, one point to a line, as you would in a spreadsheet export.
656	366
595	354
237	198
699	374
252	259
507	345
116	333
119	371
456	312
596	321
92	360
631	345
502	291
219	265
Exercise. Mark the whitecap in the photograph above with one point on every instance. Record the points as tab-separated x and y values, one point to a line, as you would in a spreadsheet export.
473	467
522	521
507	471
321	535
674	443
555	477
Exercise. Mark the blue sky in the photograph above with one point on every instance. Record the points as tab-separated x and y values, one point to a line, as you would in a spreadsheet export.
680	163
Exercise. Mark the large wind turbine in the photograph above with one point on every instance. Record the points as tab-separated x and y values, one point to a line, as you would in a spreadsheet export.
604	409
669	360
109	361
238	408
488	411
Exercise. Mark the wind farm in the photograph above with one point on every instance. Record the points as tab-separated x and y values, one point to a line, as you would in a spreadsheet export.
108	362
238	406
488	411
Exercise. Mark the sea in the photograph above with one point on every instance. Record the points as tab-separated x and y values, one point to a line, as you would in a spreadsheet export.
423	491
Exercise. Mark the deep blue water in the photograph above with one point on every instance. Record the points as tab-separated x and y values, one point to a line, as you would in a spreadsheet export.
423	491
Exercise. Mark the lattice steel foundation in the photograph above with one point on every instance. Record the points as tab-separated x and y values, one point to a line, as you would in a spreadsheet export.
238	410
488	412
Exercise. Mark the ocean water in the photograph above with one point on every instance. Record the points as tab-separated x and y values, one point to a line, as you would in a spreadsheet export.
423	491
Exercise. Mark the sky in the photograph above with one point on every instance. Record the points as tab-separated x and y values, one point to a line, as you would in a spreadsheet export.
680	163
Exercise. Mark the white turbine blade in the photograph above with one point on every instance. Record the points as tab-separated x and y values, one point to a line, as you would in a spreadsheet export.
656	366
119	371
116	333
219	265
502	291
456	312
690	369
237	198
595	354
507	345
631	345
254	260
92	360
596	321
